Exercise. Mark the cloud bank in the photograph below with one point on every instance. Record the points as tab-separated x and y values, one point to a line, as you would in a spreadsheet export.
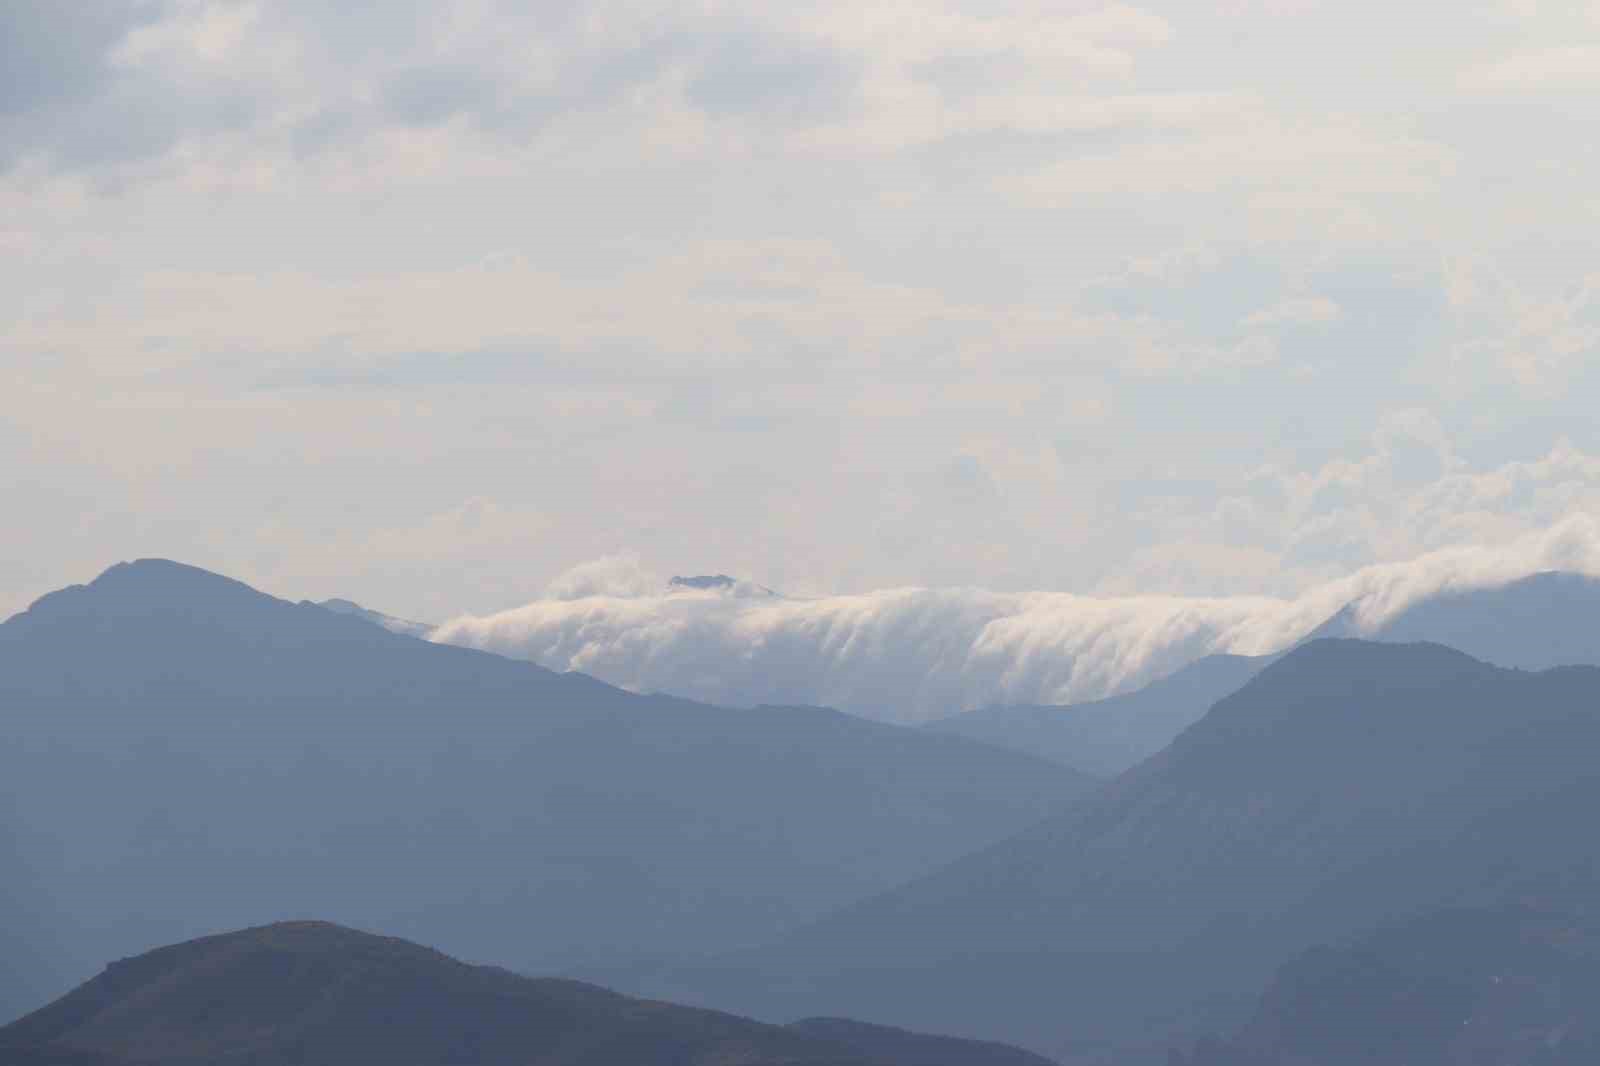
912	654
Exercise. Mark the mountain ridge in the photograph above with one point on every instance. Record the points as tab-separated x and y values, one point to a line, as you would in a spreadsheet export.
309	991
1345	782
296	759
1110	735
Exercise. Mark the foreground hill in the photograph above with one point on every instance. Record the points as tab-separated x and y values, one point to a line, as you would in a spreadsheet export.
1106	737
309	992
1346	783
183	753
1448	988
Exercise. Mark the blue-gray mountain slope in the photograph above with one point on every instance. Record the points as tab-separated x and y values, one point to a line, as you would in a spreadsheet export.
1346	783
303	993
1106	737
183	754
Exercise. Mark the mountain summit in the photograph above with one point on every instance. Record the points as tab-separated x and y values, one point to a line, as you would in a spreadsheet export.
312	992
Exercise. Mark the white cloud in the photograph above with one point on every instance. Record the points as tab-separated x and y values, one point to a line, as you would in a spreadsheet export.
916	653
912	292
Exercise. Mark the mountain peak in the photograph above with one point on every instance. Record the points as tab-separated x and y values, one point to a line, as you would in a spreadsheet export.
730	586
703	581
1335	688
1370	654
164	580
143	584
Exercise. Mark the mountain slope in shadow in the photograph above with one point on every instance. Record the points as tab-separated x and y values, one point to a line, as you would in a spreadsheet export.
1445	988
310	992
1106	737
184	753
1346	783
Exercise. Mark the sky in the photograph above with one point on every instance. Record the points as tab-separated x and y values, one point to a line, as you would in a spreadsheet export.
428	304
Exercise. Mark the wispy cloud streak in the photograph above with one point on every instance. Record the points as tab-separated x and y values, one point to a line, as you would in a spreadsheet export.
910	654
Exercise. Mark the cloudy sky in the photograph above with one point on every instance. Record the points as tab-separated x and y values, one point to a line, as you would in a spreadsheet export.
425	303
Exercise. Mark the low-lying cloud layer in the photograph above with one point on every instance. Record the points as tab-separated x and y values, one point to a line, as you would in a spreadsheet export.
912	654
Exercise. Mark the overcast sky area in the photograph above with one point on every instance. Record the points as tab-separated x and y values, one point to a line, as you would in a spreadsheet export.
426	303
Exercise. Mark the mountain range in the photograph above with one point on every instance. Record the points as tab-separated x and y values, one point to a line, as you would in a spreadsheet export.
1346	783
1533	623
1281	850
186	754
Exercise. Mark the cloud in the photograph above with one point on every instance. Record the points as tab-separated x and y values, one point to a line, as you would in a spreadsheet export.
866	295
1571	66
610	576
912	654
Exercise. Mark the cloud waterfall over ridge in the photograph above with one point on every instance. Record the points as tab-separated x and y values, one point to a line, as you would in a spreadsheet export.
912	654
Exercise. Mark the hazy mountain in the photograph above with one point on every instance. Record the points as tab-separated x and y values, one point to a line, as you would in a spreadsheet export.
882	1042
1548	619
308	992
1345	783
1544	620
184	754
720	583
1450	988
387	621
1106	737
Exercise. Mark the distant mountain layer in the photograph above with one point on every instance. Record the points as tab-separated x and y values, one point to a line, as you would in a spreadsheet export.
1534	623
1447	988
183	753
886	1044
1347	783
1542	621
420	630
308	992
1106	737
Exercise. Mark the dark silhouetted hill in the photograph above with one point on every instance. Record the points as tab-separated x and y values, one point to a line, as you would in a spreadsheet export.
308	992
1448	988
1106	737
1346	783
183	753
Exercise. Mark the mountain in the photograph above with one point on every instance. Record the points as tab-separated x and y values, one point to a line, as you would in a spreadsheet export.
721	583
1447	988
297	993
183	753
882	1042
1541	621
1347	783
387	621
1106	737
1537	622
